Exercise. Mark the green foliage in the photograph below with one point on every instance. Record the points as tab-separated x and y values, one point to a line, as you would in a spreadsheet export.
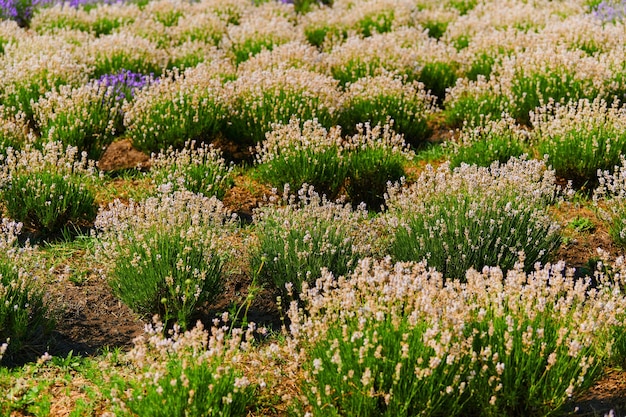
461	42
581	224
482	64
283	95
495	141
378	99
392	344
487	150
47	201
475	226
174	111
463	6
250	47
191	373
325	170
371	24
437	76
119	61
24	93
617	228
531	90
531	383
87	117
592	141
473	234
305	6
23	318
535	375
354	70
369	171
475	110
435	28
296	241
209	390
618	348
384	382
197	169
169	273
316	35
102	25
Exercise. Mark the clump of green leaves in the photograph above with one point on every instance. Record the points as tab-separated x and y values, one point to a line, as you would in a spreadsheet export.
400	340
178	108
297	240
199	169
376	157
47	201
610	199
491	141
581	138
263	98
168	273
166	254
532	89
49	189
23	313
474	102
297	155
374	100
86	117
192	373
474	217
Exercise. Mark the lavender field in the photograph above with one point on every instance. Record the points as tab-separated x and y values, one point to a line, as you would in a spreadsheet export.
312	208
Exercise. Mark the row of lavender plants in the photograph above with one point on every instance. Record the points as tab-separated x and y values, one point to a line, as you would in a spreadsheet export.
168	254
214	67
430	296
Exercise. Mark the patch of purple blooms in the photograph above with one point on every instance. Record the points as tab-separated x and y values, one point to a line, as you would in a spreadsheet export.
22	10
610	10
125	83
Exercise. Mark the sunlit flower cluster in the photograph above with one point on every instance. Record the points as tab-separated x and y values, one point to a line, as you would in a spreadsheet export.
196	369
197	168
261	98
308	233
177	108
475	216
390	329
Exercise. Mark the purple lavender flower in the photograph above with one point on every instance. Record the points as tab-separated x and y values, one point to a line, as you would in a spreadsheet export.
22	10
8	9
19	10
78	3
610	10
125	83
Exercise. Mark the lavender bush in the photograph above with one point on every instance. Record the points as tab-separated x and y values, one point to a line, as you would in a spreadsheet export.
610	11
480	216
125	83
